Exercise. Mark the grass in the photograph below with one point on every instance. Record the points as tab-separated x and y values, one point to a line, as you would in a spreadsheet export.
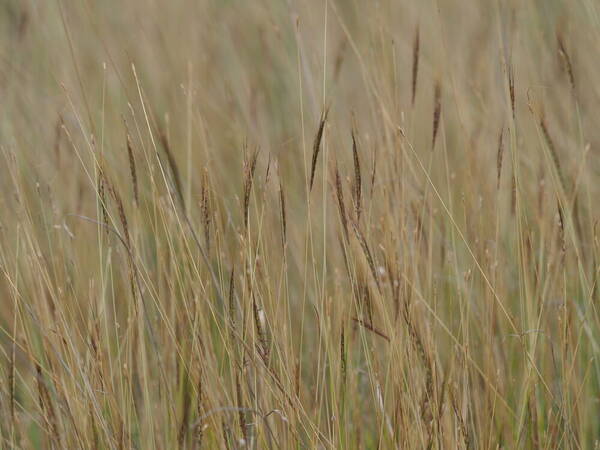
319	224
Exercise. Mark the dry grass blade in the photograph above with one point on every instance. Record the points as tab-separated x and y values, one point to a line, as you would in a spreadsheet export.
317	147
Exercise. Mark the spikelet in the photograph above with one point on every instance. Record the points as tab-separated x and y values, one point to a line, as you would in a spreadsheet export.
553	151
173	168
511	89
205	208
232	305
283	215
499	155
565	58
367	253
437	112
317	147
357	178
262	335
249	168
371	328
340	201
415	65
132	169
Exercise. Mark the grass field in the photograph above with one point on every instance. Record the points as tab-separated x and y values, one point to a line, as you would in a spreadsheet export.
299	224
